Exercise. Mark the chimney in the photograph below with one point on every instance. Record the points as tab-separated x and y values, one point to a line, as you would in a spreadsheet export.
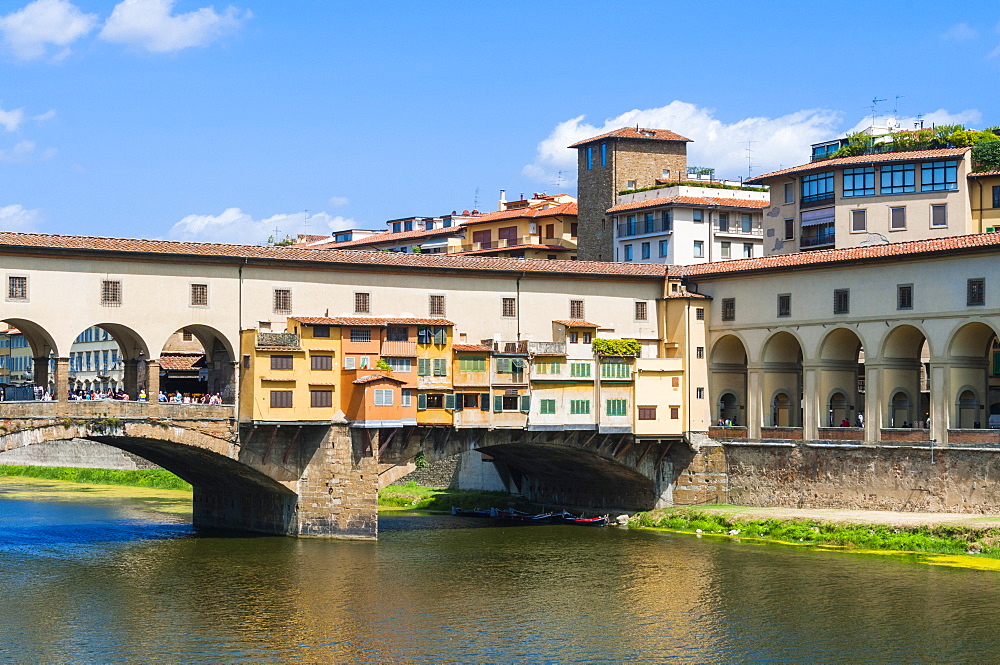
503	199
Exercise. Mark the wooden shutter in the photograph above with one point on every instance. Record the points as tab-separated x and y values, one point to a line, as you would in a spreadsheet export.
423	366
449	402
525	403
497	403
484	401
422	402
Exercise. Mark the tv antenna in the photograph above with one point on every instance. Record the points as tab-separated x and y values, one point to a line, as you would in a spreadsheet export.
559	180
749	160
875	101
475	202
305	222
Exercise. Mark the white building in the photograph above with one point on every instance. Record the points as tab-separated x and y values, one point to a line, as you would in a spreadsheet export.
683	225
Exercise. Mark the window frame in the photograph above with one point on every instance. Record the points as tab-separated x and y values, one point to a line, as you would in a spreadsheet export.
892	218
281	300
278	363
943	176
898	184
728	309
361	335
320	399
278	397
784	305
111	293
577	310
698	249
975	292
863	214
320	363
26	284
841	301
942	207
436	305
904	296
641	310
362	302
850	181
508	308
198	299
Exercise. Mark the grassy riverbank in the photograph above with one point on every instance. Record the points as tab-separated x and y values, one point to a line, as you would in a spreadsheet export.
953	539
417	497
152	478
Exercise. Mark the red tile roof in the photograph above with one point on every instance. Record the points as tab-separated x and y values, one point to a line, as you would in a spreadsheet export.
881	158
635	133
983	174
529	213
692	201
376	377
577	323
350	259
495	250
186	361
472	347
368	321
387	237
913	248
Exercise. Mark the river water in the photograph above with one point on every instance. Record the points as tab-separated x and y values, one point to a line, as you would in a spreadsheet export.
106	581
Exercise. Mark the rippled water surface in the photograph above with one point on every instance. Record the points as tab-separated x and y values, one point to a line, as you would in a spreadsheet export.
93	581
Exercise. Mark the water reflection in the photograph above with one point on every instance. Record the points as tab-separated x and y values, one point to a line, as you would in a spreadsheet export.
84	584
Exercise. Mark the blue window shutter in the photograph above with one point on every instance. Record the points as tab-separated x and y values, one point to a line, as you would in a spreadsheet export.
497	403
421	402
484	401
459	401
525	403
449	402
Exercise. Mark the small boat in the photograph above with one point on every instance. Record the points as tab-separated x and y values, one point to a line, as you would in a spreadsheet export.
520	517
568	518
475	512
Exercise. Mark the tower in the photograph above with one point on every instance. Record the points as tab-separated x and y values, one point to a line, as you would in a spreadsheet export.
627	158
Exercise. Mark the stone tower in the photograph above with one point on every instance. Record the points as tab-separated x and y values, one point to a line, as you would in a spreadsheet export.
626	158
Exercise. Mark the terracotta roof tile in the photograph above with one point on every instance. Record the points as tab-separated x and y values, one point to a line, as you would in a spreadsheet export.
692	201
833	256
527	213
190	361
352	259
376	377
635	133
983	174
551	248
576	323
861	159
471	347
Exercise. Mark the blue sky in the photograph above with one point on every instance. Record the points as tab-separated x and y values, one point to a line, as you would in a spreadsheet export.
185	120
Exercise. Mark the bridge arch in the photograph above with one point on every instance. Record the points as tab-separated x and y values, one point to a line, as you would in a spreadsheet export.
215	369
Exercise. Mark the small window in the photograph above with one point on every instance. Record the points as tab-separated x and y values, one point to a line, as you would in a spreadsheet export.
789	229
436	306
574	337
976	292
675	412
904	296
729	309
397	334
350	362
321	331
587	337
187	336
699	352
435	401
699	249
281	362
282	301
675	382
645	250
406	399
698	216
841	301
281	399
321	363
17	288
699	313
199	295
859	221
725	250
321	398
384	397
471	401
627	256
640	311
361	335
579	369
996	196
939	215
789	192
784	304
897	218
576	311
362	303
111	293
617	407
509	307
748	250
399	364
664	248
546	407
699	393
440	367
579	407
631	184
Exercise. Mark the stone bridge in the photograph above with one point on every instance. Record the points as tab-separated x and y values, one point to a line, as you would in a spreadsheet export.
304	481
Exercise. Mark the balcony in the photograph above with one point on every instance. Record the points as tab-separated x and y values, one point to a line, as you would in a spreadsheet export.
627	229
738	229
821	238
509	348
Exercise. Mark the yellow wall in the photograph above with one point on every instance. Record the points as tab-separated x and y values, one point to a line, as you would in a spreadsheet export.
981	196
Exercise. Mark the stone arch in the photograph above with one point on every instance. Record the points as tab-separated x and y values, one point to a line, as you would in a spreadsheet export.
840	363
968	366
730	408
968	408
906	352
43	351
114	353
728	374
214	371
781	372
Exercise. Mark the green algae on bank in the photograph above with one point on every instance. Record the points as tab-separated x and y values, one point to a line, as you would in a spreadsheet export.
154	478
174	502
944	544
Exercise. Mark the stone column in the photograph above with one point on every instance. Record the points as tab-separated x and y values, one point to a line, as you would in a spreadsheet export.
152	380
941	401
41	369
873	404
130	378
229	390
61	379
810	403
754	414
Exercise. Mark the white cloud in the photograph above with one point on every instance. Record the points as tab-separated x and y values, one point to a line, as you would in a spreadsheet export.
235	226
24	152
17	218
149	24
11	120
339	201
960	32
716	144
29	32
45	117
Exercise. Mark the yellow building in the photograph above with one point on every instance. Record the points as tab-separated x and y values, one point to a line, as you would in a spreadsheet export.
984	195
291	376
544	228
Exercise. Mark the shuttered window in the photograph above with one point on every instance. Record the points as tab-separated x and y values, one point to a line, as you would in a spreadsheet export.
320	363
281	399
281	362
321	398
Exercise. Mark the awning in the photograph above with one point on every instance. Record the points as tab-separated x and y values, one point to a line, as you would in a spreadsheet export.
817	217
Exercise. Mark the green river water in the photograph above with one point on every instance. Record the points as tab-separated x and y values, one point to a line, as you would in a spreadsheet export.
104	579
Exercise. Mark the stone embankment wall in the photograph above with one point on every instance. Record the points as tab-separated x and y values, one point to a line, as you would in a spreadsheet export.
812	475
78	453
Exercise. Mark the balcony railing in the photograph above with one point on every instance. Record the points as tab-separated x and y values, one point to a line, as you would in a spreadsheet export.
737	228
643	227
821	238
510	242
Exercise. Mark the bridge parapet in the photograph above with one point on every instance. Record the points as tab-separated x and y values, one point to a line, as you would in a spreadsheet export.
115	409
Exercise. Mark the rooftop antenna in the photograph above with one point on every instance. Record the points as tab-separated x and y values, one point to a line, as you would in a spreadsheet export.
305	222
749	161
475	202
920	121
559	180
875	101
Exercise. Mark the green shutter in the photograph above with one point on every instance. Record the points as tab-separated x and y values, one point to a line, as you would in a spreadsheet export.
423	366
449	402
525	403
440	367
459	401
503	365
421	402
497	403
484	401
440	335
